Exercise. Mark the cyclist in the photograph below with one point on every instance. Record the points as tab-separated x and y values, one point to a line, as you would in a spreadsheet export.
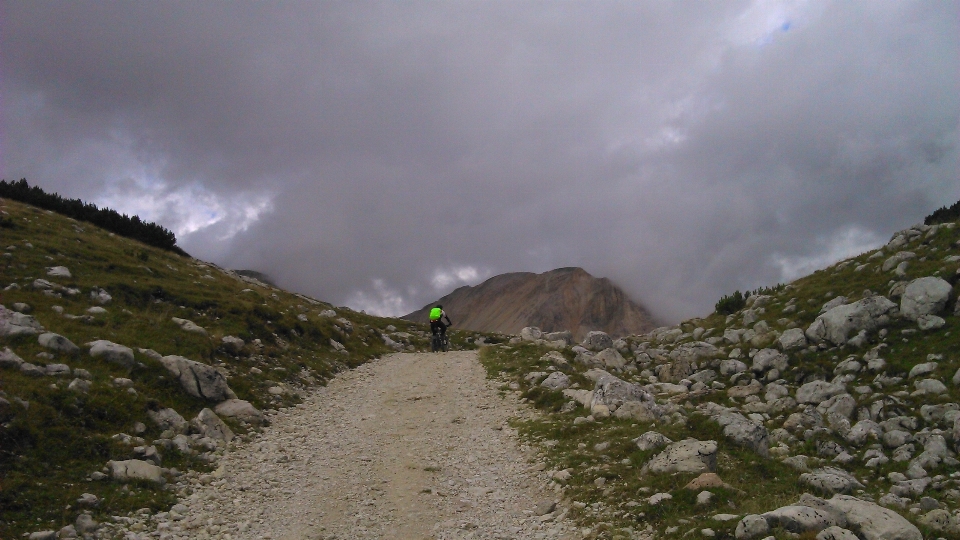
436	321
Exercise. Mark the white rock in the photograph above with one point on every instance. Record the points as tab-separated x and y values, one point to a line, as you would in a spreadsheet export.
836	533
210	425
58	343
189	326
686	456
241	410
930	386
924	368
531	333
59	271
232	344
873	522
792	339
134	469
13	324
837	324
818	391
924	296
556	381
112	352
198	379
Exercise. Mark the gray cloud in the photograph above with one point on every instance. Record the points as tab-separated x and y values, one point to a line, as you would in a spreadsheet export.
366	151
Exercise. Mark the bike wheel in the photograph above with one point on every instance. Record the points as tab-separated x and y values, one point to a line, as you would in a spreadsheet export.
435	344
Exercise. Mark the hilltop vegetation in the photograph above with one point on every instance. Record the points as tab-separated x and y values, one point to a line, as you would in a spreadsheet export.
56	437
129	226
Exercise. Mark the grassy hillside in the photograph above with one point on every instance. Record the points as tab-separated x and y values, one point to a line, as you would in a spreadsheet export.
52	439
597	465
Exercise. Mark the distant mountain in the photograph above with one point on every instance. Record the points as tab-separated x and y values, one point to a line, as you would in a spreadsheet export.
562	299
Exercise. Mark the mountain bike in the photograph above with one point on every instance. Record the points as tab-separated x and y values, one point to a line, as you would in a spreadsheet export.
440	342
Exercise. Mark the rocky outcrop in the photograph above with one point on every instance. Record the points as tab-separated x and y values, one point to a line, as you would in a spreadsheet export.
198	379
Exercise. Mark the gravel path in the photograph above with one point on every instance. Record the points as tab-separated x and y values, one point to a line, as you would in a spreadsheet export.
411	446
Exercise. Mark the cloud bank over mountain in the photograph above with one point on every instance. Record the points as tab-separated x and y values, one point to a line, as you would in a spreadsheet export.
380	153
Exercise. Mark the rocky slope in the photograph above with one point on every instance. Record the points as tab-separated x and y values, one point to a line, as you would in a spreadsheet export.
826	408
564	299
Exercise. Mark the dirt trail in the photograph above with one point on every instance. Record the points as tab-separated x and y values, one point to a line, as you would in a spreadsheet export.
411	446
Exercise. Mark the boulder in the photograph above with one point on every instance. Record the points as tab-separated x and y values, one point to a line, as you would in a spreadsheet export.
113	353
100	296
836	533
59	271
830	480
791	339
941	521
198	379
232	344
874	522
556	381
134	469
208	424
32	370
924	296
930	386
565	336
635	410
13	323
240	410
58	343
597	341
751	527
168	419
841	404
730	367
9	359
189	326
767	359
897	259
799	519
651	440
744	432
817	392
531	333
863	431
613	392
930	322
686	456
610	358
837	324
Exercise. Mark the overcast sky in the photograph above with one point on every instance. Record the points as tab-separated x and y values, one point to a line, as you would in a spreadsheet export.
380	154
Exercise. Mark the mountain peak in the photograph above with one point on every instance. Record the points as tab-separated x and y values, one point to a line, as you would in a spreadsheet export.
561	299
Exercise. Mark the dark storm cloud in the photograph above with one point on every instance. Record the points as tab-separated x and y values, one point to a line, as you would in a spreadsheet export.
380	153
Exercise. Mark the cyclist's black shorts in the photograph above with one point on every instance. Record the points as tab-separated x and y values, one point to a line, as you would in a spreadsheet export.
438	326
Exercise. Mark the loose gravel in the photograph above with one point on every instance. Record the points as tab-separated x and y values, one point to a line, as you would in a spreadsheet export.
410	446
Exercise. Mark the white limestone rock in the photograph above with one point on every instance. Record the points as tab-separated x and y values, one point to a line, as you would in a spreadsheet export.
924	296
56	342
837	324
198	379
135	469
112	352
686	456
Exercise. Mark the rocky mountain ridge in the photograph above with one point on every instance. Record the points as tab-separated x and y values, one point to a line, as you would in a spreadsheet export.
565	299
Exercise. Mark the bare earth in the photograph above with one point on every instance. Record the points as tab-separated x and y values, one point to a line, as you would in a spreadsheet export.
411	446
